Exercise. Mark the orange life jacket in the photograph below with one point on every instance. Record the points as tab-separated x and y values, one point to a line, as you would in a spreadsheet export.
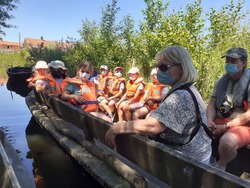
88	92
132	87
114	85
54	85
102	85
34	79
155	90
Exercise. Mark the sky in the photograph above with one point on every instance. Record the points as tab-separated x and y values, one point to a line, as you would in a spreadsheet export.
57	19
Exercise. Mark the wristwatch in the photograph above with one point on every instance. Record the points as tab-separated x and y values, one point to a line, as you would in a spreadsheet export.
227	126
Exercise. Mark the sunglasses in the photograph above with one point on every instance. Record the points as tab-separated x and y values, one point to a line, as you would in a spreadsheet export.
164	67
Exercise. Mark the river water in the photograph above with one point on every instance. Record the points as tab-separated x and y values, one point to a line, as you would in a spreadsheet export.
45	161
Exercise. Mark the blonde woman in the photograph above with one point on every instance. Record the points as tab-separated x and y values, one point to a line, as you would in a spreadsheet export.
174	120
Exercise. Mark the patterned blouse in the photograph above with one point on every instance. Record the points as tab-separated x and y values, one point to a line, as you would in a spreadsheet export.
177	112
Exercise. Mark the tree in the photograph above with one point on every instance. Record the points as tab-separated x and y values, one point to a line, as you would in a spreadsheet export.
6	6
206	36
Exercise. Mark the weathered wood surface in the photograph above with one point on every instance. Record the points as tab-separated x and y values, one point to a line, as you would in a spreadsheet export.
164	164
107	169
12	172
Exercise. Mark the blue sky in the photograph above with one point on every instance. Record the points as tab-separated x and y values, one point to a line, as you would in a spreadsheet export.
57	19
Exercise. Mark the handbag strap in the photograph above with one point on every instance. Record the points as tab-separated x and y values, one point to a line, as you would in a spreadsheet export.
198	115
199	119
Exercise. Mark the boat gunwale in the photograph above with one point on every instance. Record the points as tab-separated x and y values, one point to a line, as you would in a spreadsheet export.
208	171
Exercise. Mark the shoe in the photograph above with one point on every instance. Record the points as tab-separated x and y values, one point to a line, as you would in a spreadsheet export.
111	117
219	167
212	161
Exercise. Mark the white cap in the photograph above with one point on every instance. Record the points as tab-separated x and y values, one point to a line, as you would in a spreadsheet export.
57	64
41	65
104	67
153	71
133	70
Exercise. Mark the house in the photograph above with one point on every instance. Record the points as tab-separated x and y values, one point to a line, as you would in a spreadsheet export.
6	46
41	43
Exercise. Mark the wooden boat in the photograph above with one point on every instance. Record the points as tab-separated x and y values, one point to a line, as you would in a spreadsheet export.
12	171
136	162
19	74
17	79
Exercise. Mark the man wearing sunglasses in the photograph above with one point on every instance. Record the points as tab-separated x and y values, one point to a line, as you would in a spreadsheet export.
228	111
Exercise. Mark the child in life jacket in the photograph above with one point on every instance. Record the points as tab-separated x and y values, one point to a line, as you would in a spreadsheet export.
82	92
134	92
38	81
116	88
152	97
57	80
102	83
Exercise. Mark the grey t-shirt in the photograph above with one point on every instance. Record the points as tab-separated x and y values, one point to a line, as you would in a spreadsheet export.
177	112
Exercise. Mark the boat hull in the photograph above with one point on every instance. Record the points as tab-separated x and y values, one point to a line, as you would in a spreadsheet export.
155	164
17	80
12	172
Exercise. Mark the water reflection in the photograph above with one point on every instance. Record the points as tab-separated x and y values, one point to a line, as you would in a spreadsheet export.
51	167
20	89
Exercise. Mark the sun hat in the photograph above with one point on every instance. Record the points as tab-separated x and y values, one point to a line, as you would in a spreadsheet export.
118	68
57	64
133	70
236	53
105	67
153	71
41	65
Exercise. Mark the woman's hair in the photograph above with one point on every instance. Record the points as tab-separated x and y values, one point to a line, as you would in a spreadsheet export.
85	65
179	55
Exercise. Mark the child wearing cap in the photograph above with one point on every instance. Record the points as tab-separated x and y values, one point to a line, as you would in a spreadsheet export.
57	80
134	92
116	88
152	97
102	84
39	79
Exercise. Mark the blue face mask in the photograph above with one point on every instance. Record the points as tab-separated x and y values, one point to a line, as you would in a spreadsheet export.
164	78
231	68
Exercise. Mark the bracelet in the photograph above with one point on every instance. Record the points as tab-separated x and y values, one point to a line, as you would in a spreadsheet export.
227	126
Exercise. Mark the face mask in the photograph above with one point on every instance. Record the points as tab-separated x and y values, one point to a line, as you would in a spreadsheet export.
118	74
164	78
84	75
231	68
132	78
103	72
56	73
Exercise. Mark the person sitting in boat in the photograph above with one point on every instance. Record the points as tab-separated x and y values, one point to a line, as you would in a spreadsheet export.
102	82
38	81
134	92
228	111
57	80
116	88
82	92
173	122
94	76
151	99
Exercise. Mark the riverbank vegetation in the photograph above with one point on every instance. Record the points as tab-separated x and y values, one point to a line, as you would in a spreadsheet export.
206	35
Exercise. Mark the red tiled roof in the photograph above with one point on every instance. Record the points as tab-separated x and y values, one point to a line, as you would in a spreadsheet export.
9	46
10	43
37	42
46	43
